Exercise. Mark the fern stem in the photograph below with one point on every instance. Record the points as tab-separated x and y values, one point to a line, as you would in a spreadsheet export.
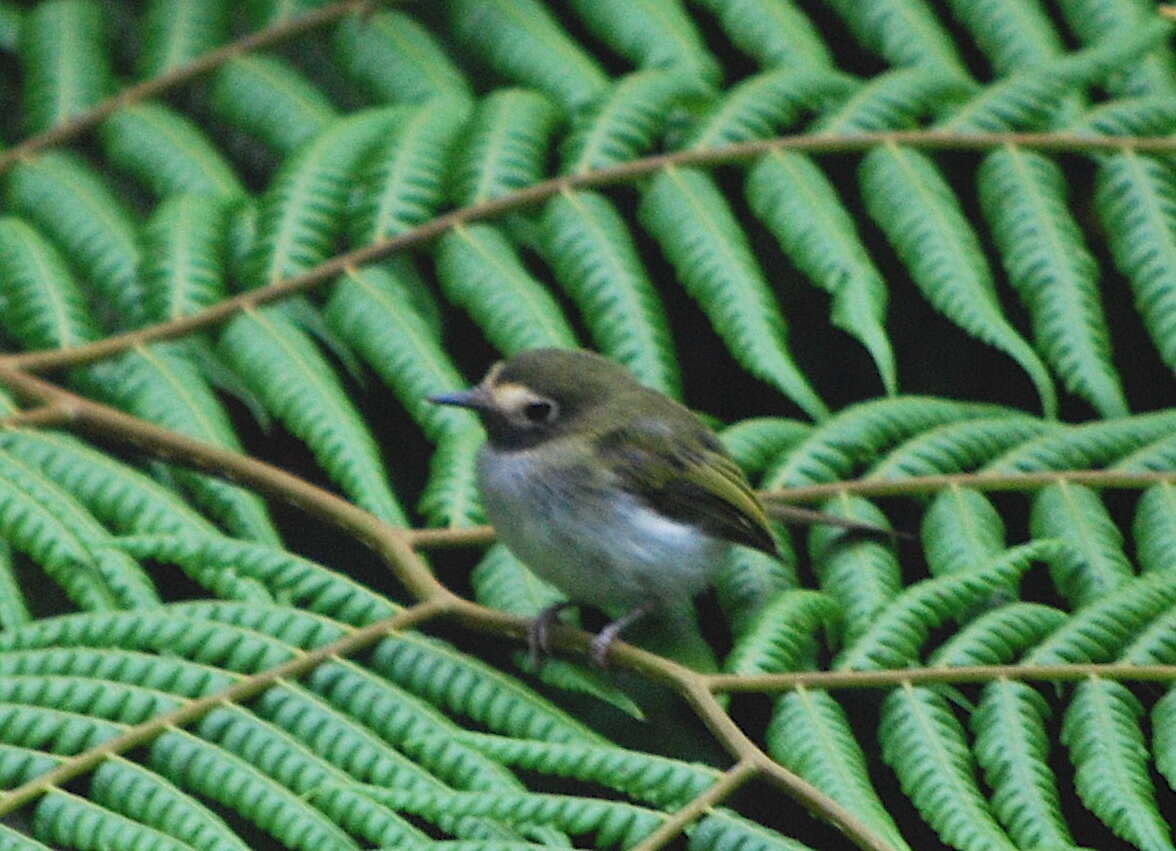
199	66
733	778
914	676
977	481
811	143
244	689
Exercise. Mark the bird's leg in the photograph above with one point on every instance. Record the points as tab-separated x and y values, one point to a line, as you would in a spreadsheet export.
539	630
602	643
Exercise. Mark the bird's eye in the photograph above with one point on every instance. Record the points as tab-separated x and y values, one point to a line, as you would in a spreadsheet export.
539	412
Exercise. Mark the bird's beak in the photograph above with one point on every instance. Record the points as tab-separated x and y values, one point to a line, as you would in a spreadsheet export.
476	398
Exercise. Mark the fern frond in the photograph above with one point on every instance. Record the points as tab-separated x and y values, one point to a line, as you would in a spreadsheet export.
961	530
754	442
783	636
589	247
699	234
65	65
926	746
505	146
903	32
1012	747
861	574
43	307
1024	199
1135	198
773	32
1155	528
75	822
287	372
1101	729
791	195
388	54
402	182
999	636
1091	444
960	446
268	98
627	120
861	432
1093	562
1149	115
166	152
897	632
14	610
1012	35
749	579
302	213
72	205
519	39
723	830
480	271
897	99
909	199
651	34
1108	21
177	31
183	267
810	733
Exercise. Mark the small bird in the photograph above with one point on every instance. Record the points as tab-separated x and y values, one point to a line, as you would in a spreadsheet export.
612	492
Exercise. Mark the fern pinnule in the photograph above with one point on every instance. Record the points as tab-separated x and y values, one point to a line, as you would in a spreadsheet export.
505	145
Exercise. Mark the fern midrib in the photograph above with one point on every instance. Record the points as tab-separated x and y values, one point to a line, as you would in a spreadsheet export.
1092	554
206	428
164	129
57	300
421	62
387	203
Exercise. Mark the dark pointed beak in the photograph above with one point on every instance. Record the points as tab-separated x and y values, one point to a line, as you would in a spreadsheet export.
474	398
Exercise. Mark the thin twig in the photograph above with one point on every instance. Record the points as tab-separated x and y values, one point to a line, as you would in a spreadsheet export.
723	788
976	481
973	674
242	690
453	538
203	64
43	416
816	144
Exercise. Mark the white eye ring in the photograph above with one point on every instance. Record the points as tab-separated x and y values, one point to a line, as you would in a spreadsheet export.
539	411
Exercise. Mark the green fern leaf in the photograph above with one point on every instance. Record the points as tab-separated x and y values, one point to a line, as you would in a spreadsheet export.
395	59
43	307
783	636
480	271
753	443
1093	563
166	152
897	99
74	207
74	822
688	216
301	215
749	579
999	636
14	610
1136	201
790	195
451	498
861	432
1024	200
284	369
925	745
1101	729
773	32
402	182
627	120
861	574
1149	115
904	32
1155	527
175	32
505	147
266	97
1011	35
1083	446
960	447
897	632
961	531
184	256
651	34
65	66
520	40
1109	21
589	247
909	199
810	734
1012	747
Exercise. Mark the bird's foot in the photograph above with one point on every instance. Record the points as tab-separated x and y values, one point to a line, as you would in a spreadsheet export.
539	632
600	646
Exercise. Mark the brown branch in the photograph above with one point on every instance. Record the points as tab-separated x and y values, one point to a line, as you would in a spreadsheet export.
811	143
43	416
203	64
242	690
977	481
914	676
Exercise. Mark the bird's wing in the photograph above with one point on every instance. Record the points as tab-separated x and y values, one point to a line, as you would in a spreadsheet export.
685	474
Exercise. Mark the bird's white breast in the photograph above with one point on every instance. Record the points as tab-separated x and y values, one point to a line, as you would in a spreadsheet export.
597	544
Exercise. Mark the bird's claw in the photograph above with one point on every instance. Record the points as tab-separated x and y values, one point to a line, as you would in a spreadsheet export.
539	633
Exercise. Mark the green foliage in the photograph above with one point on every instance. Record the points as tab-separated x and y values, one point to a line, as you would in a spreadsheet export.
473	134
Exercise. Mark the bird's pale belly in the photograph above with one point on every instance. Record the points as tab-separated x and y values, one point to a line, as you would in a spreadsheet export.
597	545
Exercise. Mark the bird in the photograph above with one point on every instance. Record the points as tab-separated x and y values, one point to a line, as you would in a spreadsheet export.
609	490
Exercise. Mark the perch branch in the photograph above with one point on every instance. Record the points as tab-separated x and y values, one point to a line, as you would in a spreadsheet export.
733	778
811	143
